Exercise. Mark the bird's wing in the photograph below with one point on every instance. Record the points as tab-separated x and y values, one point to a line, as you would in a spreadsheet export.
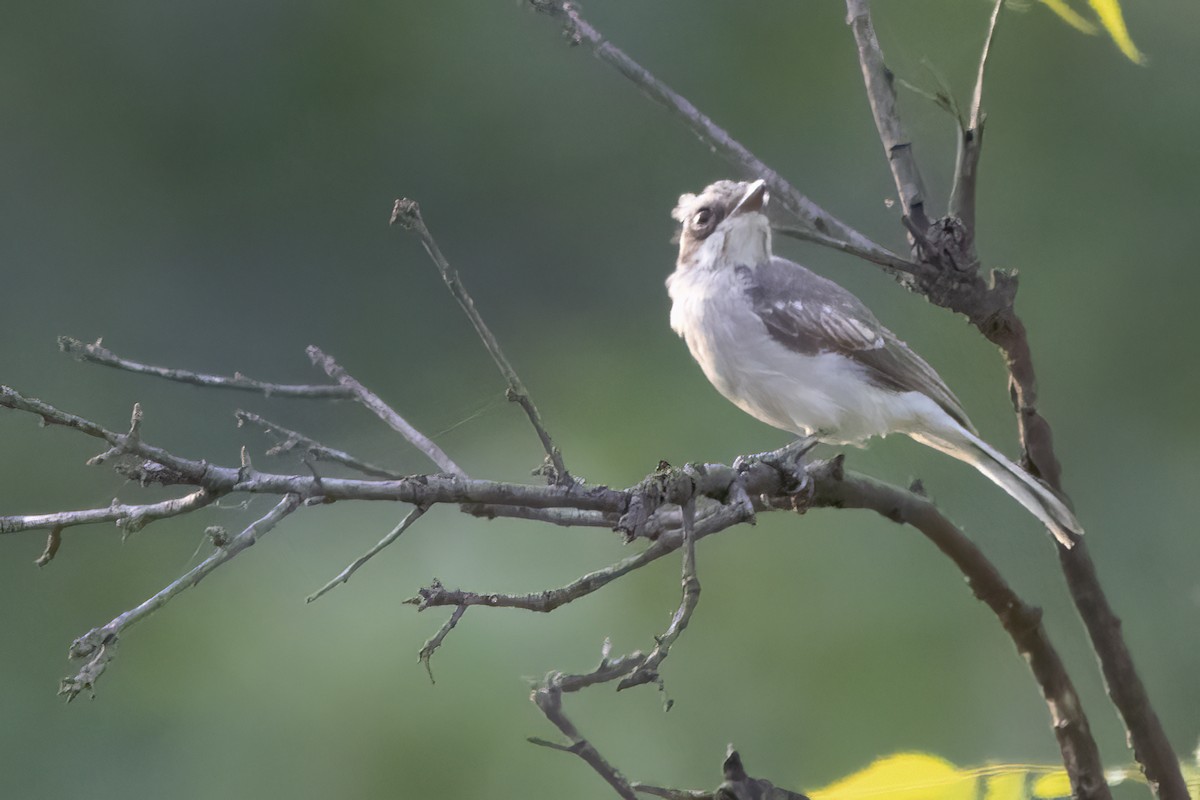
810	315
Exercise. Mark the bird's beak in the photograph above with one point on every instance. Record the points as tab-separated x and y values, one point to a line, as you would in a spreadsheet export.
755	198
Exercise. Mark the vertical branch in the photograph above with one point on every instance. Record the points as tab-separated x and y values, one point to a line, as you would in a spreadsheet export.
882	95
970	142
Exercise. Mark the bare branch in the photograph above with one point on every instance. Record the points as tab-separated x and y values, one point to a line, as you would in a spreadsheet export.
96	353
548	697
894	264
385	412
565	517
970	141
392	536
807	212
882	95
671	794
129	518
431	646
408	214
647	671
99	644
1022	622
646	510
715	519
292	439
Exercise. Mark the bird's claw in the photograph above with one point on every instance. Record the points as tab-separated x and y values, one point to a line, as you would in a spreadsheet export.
789	463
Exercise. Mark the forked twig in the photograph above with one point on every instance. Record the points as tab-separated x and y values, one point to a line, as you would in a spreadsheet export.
99	644
385	412
97	353
291	440
408	214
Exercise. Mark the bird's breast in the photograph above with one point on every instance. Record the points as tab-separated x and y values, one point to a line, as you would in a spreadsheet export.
822	392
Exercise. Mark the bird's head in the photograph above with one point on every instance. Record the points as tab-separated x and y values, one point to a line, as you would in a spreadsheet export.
724	226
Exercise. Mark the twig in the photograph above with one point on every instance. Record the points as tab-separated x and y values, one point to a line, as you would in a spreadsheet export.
408	214
292	439
385	412
970	141
647	671
719	518
431	646
99	644
96	353
548	697
882	96
806	211
392	536
890	261
129	518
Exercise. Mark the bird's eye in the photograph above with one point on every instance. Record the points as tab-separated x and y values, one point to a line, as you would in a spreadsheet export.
703	218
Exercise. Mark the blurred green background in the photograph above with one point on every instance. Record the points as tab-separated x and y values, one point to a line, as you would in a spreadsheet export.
207	185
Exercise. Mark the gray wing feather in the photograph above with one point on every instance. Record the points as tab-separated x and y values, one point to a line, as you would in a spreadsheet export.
811	315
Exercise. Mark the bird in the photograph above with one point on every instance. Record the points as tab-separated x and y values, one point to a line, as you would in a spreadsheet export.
799	352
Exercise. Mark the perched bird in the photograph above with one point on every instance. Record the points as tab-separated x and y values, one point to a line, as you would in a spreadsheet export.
801	353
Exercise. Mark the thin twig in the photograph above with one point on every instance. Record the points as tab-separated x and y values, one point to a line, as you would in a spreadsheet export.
970	141
719	518
548	698
385	412
129	518
886	259
807	212
435	641
96	353
392	536
290	440
99	644
408	214
647	671
881	93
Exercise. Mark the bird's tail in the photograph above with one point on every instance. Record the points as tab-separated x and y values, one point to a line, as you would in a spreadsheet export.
1027	490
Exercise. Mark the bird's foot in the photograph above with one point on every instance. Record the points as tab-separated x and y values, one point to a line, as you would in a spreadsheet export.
789	463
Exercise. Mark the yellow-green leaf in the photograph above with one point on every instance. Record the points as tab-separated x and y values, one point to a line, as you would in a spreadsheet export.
904	776
1110	18
1109	12
1071	16
1056	784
